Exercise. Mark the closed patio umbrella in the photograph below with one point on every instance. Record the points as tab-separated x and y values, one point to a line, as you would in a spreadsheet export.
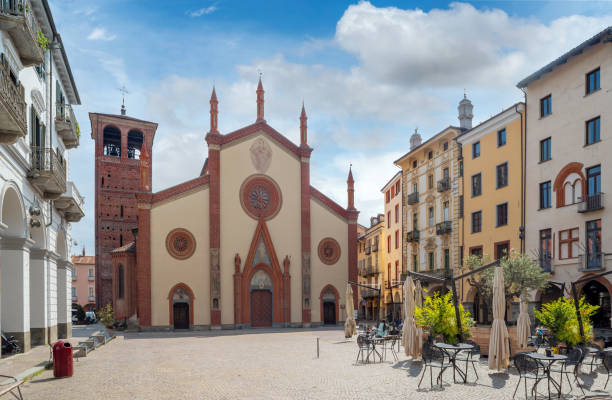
410	330
523	325
418	302
499	349
349	325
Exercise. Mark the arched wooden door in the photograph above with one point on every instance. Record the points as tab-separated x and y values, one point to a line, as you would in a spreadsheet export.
181	315
261	307
329	313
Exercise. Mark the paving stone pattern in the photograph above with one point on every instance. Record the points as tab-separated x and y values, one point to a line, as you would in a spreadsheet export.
257	364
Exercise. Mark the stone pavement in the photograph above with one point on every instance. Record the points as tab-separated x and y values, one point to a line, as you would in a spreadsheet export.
25	364
257	364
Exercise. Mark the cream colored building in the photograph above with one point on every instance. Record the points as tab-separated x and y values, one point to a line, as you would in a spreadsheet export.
393	266
569	109
371	256
247	243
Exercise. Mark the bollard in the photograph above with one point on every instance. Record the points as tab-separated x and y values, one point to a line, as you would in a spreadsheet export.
317	347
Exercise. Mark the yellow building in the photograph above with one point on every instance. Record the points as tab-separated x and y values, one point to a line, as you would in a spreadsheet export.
370	259
493	165
392	247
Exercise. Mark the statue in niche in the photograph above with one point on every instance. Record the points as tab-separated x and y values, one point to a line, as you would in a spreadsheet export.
286	264
237	263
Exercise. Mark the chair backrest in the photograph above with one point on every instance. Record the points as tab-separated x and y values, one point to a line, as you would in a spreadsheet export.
574	357
607	361
476	349
525	364
362	340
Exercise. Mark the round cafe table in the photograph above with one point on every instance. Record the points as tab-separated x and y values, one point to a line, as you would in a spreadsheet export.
546	362
451	350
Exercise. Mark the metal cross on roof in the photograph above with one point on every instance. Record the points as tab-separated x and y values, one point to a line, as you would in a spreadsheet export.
123	91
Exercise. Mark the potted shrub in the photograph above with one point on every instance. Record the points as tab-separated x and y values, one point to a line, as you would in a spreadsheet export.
106	316
437	318
560	318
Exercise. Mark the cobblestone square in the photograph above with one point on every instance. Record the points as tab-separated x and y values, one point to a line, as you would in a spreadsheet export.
259	364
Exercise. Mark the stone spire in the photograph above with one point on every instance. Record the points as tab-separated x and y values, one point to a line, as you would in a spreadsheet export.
303	128
260	102
415	139
214	111
350	188
465	109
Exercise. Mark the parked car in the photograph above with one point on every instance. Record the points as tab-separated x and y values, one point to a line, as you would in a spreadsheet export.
90	317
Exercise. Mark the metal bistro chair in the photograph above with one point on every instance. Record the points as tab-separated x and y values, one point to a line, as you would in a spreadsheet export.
433	358
363	344
571	366
528	368
607	363
593	358
470	356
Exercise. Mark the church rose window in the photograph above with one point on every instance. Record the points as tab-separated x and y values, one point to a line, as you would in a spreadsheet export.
260	197
180	244
329	251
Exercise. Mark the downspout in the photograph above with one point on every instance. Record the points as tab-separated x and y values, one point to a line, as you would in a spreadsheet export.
523	161
50	47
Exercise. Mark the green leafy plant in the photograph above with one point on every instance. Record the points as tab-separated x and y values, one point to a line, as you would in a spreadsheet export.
78	130
437	317
42	40
560	318
106	315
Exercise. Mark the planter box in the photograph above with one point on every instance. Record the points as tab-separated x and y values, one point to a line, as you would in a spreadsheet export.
482	334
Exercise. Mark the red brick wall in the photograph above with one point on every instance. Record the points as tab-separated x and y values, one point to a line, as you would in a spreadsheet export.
121	182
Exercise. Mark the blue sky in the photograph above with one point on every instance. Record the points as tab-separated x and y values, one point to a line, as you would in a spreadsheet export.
368	72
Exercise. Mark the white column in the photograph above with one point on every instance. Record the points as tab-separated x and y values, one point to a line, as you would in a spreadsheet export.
52	298
39	261
64	299
15	256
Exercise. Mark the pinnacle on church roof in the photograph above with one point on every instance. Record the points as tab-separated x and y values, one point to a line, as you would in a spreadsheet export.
259	85
213	97
350	179
303	114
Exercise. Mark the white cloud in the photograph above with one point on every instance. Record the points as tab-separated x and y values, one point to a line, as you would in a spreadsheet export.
456	46
203	11
101	34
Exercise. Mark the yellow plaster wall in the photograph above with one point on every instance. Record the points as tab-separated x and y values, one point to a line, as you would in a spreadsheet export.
490	157
189	212
324	223
237	228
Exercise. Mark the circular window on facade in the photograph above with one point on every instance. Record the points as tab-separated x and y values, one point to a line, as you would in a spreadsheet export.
329	251
180	244
260	197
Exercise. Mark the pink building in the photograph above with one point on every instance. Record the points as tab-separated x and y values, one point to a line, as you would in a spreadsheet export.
84	281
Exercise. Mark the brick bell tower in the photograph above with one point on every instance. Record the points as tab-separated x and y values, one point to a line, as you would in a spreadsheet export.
119	142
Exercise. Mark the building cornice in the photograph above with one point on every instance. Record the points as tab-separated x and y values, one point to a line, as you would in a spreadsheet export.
493	124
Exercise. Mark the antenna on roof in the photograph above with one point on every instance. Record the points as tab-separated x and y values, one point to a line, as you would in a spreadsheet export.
123	91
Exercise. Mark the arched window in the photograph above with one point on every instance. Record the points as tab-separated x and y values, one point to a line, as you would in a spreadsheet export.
569	185
120	282
134	144
112	141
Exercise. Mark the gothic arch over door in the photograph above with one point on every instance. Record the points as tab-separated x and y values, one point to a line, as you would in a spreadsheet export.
180	306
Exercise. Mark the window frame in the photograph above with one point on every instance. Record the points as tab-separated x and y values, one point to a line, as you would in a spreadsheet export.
499	132
497	215
587	90
497	181
476	249
496	245
546	106
549	190
476	145
474	213
549	141
479	175
569	242
597	130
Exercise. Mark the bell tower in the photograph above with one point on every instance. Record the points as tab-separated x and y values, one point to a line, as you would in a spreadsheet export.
122	144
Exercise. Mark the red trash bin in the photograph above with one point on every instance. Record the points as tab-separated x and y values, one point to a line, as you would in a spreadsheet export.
62	359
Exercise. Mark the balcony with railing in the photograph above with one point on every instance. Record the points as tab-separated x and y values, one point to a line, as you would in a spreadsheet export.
444	184
47	173
13	116
444	228
71	203
368	249
17	18
66	126
413	236
91	299
412	198
592	262
74	298
369	293
545	261
371	270
591	202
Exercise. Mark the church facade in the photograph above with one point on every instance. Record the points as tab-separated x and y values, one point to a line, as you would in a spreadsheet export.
247	243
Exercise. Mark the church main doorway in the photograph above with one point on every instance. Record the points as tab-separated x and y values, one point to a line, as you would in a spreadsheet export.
261	308
329	313
181	315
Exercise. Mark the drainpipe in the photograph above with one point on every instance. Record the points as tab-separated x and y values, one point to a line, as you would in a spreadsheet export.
523	161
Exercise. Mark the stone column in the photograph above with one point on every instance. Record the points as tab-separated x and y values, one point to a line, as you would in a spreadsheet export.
64	299
52	298
15	292
39	288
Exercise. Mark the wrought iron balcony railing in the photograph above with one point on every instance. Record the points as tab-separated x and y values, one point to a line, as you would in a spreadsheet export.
13	125
444	184
369	293
65	125
592	261
413	236
592	202
47	173
17	18
412	198
444	228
